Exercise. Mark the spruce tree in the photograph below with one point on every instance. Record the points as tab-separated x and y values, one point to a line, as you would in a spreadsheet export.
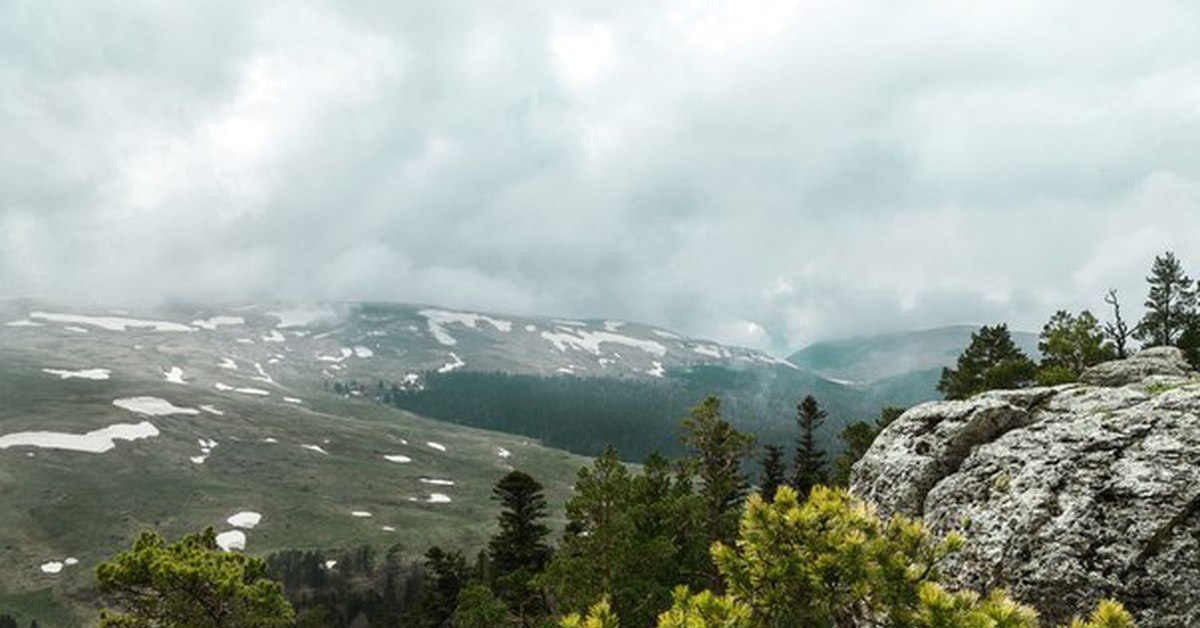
718	451
809	470
773	470
1170	303
991	361
519	551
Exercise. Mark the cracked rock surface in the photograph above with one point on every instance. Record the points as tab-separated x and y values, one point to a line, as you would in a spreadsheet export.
1066	495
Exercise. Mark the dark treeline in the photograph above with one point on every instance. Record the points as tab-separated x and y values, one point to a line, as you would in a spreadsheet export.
586	415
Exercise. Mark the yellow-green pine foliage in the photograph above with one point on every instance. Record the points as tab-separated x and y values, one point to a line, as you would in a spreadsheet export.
705	610
827	562
190	584
1110	614
600	615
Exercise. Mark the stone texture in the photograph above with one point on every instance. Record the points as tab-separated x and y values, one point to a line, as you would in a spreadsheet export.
1065	494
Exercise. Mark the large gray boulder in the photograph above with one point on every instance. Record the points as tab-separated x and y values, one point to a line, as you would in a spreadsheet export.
1066	495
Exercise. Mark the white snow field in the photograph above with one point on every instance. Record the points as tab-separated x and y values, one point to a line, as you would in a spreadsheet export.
175	375
246	519
361	514
437	446
454	364
95	442
590	341
94	374
151	406
110	323
213	323
397	458
438	319
232	540
439	498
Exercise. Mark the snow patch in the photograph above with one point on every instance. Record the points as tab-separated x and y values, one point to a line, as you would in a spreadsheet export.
213	323
25	322
656	370
437	481
228	363
111	323
455	364
73	328
152	406
302	316
666	334
361	514
712	351
531	328
262	375
503	453
387	528
316	448
232	540
363	352
52	567
613	325
294	400
274	336
438	319
330	564
175	375
223	387
246	519
590	341
270	440
438	498
397	458
437	446
95	442
212	410
94	374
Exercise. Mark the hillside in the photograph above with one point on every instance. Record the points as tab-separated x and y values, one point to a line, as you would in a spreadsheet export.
899	368
291	422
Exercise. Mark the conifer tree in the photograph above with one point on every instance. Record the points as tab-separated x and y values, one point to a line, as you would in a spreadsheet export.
718	451
448	574
1170	303
809	469
991	361
191	583
773	470
519	551
1069	344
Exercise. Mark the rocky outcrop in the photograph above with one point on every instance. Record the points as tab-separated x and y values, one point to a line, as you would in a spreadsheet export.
1067	494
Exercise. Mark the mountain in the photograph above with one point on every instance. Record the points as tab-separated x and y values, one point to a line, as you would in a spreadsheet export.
901	368
329	426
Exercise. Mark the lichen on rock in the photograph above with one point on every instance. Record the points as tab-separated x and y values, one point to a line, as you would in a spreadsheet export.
1066	494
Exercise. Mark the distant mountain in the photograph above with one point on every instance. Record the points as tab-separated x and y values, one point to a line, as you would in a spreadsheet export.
901	368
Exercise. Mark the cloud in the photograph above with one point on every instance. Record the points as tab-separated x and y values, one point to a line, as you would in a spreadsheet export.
767	173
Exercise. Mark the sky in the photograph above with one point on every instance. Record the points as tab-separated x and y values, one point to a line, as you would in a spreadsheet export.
757	172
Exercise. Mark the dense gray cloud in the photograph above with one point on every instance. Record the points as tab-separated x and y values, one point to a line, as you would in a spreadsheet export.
764	173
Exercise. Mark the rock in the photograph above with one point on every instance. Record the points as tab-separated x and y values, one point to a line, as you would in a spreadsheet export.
1066	495
1158	361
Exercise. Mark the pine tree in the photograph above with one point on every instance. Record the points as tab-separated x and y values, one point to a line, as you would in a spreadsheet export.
991	361
8	621
717	454
519	551
448	574
773	470
190	584
1170	303
1069	344
809	469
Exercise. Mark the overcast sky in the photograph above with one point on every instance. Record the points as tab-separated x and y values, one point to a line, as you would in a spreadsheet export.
762	173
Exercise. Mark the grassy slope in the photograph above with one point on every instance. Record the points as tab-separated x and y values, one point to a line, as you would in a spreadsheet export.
60	503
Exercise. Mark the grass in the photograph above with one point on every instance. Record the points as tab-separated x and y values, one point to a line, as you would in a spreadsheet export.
90	506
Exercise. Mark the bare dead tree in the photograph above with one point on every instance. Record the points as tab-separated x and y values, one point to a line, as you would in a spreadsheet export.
1116	329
